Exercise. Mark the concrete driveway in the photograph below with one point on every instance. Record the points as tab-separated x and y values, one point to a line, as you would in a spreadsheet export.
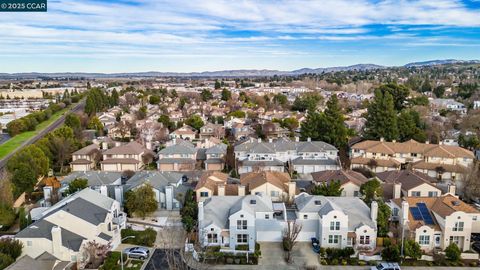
273	256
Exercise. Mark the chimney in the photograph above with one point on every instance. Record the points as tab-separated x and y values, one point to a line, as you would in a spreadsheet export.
451	189
200	212
427	142
382	139
169	197
397	190
221	190
117	144
292	189
404	212
47	194
394	141
241	190
309	139
148	145
259	140
103	190
251	139
57	241
174	141
270	140
374	211
104	145
297	139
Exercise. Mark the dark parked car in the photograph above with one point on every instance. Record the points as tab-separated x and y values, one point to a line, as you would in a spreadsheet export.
476	246
315	245
137	252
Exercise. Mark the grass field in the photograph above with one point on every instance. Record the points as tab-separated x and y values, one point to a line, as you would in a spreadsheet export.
14	142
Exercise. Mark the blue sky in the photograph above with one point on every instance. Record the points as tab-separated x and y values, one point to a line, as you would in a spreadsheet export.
191	35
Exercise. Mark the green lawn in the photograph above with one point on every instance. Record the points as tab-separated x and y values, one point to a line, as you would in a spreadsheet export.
16	141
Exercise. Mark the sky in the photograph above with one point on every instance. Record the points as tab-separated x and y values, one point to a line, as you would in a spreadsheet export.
206	35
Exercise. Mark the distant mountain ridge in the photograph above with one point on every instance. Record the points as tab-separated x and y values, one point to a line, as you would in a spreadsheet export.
227	73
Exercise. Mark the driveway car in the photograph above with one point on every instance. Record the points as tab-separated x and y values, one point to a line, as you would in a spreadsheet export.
137	252
476	246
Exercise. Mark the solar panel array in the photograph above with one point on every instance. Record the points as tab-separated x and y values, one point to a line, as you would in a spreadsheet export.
420	212
425	213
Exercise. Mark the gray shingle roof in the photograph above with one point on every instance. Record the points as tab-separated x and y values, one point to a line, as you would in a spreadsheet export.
178	149
217	149
158	180
283	145
95	178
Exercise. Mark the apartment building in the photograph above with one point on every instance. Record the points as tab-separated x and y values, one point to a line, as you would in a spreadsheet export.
302	157
233	221
63	229
443	162
436	222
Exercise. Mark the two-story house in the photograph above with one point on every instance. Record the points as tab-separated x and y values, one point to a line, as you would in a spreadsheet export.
436	222
443	162
274	130
408	183
106	183
215	157
85	159
212	130
185	132
277	155
63	229
129	156
213	183
350	181
177	157
276	185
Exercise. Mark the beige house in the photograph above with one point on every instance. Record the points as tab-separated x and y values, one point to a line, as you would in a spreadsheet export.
276	185
215	157
350	180
63	229
409	183
177	157
124	157
212	130
185	132
443	162
84	159
216	184
436	222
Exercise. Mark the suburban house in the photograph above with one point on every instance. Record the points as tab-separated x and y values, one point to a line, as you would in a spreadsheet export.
106	183
180	156
443	162
436	222
302	157
185	132
63	229
214	183
212	130
276	185
350	180
167	186
85	159
448	104
129	156
241	130
215	157
408	183
107	119
338	222
274	130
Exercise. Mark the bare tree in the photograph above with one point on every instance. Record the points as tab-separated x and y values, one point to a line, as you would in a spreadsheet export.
471	184
94	254
290	235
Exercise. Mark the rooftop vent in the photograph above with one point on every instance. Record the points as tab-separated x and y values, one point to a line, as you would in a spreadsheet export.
253	201
455	203
318	202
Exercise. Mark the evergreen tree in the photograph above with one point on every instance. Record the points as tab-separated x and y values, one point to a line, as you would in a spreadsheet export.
336	131
381	118
114	98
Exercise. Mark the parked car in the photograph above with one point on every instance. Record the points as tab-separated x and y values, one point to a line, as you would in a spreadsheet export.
386	266
315	245
476	246
137	252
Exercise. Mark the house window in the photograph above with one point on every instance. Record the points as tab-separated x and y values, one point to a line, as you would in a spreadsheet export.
474	218
458	226
242	238
455	240
395	212
333	239
432	194
416	194
204	194
212	238
364	239
29	243
305	216
274	193
267	216
424	240
356	193
335	226
241	224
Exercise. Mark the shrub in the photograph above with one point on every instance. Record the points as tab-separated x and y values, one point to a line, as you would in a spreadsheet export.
362	263
242	247
452	252
334	262
142	238
7	216
5	260
11	247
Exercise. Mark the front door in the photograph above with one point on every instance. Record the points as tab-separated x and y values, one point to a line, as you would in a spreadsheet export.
437	240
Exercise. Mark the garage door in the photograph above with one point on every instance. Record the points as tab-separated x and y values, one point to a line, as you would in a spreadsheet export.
308	169
269	236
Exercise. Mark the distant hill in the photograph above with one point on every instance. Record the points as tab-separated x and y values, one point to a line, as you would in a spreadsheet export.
441	62
225	73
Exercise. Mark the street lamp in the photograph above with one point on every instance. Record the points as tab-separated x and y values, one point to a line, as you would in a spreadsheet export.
121	251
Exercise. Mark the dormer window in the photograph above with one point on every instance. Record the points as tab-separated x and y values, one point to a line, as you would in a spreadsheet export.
318	202
253	201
